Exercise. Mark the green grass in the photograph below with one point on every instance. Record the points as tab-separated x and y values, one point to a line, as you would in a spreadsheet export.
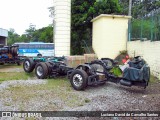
153	79
16	76
59	89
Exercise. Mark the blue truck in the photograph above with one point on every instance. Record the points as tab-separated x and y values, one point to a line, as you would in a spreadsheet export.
9	54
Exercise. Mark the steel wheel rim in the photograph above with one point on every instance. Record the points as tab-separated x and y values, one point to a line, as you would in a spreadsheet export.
27	65
77	80
39	71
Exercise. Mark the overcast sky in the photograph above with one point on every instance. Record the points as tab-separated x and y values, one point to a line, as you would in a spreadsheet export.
19	14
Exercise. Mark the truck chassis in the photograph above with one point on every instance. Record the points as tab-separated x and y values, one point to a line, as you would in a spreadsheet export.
93	73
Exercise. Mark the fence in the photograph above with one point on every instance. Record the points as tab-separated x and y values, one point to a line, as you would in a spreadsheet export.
146	28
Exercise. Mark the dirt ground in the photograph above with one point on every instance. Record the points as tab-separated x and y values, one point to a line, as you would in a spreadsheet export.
32	95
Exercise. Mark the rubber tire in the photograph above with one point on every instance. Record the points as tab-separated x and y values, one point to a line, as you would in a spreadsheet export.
18	63
15	51
108	59
98	63
32	65
12	50
1	63
84	76
45	70
148	76
49	67
9	50
39	55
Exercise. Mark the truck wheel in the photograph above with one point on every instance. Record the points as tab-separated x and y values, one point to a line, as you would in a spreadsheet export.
18	63
1	63
15	50
149	75
12	50
49	66
41	70
39	55
109	62
28	65
79	79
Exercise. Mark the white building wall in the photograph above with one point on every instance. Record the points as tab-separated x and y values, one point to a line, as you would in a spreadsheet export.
150	51
3	32
109	35
3	36
62	27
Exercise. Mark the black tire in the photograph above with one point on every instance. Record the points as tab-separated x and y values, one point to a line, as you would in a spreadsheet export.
28	65
39	55
41	70
74	80
9	50
149	75
109	62
15	51
49	66
18	63
1	63
12	50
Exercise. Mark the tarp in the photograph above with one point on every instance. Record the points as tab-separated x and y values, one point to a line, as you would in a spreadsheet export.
137	72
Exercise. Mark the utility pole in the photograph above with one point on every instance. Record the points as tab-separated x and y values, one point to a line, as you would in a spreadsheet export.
130	8
129	21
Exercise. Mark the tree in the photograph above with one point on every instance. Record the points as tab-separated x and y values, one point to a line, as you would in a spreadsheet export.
30	31
140	8
44	34
51	10
24	38
12	37
82	13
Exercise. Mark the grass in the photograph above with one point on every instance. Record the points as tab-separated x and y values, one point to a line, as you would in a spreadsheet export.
15	76
59	89
153	79
54	90
87	100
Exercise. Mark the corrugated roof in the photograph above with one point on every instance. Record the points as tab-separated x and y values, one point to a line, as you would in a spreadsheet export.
3	32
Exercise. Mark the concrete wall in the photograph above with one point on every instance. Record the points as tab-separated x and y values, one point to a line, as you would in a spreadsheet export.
62	25
3	36
150	52
3	40
109	35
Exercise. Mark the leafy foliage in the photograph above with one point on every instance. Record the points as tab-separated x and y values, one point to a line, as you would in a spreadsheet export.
82	13
12	36
143	26
140	8
44	34
145	22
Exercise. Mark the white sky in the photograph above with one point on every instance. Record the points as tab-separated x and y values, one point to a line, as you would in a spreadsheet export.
19	14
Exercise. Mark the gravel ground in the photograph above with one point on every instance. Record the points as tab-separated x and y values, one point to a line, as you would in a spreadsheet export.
108	97
7	84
